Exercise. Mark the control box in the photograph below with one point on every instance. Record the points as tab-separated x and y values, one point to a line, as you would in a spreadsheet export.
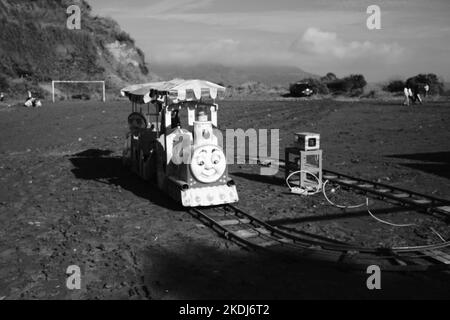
307	141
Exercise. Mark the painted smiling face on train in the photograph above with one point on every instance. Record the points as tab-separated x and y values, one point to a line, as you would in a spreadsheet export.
208	163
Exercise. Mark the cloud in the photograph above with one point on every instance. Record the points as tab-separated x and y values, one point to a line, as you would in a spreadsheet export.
171	6
414	36
328	44
279	22
316	51
227	51
197	51
158	9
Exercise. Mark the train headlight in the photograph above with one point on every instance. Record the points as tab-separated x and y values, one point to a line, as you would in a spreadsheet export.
208	163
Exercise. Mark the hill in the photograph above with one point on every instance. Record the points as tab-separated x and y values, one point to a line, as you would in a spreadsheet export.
271	76
36	47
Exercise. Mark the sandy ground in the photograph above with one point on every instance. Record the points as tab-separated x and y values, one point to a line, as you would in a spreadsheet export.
66	200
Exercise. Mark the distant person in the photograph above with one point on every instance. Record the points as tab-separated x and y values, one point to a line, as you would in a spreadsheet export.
426	88
37	103
32	102
415	89
2	97
408	95
29	101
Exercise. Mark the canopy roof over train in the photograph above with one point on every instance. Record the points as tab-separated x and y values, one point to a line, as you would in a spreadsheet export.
177	90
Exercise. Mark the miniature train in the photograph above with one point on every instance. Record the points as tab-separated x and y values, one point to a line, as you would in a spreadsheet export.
186	163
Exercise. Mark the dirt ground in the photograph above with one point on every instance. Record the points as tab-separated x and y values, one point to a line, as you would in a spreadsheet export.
65	199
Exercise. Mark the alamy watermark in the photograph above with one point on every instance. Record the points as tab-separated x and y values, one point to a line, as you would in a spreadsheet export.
240	147
73	282
74	20
374	280
373	22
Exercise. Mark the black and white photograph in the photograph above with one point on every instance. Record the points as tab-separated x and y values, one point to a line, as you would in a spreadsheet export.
224	155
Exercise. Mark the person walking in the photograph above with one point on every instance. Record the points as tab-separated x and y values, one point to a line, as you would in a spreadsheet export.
408	95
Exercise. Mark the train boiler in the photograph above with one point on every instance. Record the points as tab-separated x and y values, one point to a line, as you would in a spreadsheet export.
183	158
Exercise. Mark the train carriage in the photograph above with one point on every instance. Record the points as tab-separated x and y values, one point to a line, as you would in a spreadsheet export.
184	158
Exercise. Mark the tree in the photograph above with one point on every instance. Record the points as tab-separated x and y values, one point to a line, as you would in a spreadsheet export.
316	85
329	77
395	86
436	85
4	84
356	81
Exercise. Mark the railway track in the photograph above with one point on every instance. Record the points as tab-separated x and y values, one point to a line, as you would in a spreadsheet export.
250	232
399	196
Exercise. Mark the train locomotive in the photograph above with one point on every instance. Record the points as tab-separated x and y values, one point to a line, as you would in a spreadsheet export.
186	163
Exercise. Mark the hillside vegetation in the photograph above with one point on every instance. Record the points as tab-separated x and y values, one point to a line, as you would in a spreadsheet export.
36	47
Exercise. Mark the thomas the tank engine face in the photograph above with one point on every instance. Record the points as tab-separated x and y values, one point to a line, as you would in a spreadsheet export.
208	163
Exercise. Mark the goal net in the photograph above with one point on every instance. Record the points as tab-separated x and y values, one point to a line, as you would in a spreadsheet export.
78	89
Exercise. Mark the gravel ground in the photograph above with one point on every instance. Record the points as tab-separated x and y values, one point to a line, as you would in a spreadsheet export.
66	200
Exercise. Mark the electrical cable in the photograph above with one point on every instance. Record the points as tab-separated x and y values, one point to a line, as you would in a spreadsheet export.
322	187
337	205
302	190
437	233
387	222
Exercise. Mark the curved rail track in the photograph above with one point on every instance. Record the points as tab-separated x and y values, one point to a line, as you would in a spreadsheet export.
248	231
399	196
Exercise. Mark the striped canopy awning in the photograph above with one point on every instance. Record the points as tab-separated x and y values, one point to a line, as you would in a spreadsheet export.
177	90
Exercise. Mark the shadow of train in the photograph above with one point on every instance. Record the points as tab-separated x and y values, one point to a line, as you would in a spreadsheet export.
98	165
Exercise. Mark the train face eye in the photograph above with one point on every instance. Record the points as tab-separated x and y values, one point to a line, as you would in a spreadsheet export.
201	157
215	157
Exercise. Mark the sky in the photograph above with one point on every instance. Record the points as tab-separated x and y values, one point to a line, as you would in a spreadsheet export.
318	36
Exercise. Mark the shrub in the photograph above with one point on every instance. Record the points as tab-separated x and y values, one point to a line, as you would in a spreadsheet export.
329	77
355	82
436	85
395	86
338	86
352	85
316	85
123	36
4	84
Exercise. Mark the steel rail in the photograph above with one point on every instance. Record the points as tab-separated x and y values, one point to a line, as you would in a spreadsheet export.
402	196
429	204
273	239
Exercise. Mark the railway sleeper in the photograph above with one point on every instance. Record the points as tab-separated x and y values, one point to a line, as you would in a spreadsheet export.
250	233
232	222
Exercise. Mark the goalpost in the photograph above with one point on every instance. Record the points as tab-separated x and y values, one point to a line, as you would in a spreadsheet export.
67	81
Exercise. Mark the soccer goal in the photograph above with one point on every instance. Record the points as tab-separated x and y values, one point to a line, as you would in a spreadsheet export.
54	82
